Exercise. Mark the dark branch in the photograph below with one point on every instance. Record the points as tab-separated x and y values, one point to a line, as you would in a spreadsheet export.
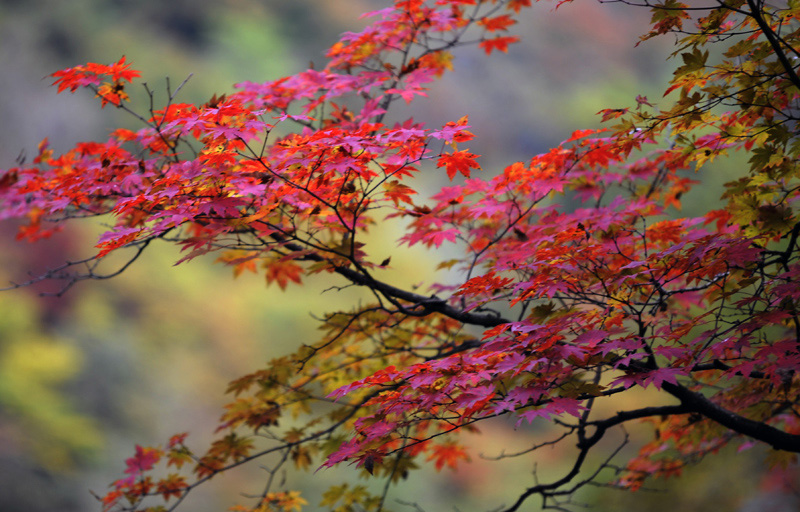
585	444
757	430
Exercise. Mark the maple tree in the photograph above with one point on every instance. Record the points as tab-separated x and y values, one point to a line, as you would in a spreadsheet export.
581	283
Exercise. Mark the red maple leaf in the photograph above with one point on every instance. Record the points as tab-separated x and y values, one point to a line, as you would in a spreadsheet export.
447	454
498	43
459	161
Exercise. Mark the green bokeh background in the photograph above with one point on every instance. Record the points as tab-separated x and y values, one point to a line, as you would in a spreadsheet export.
136	359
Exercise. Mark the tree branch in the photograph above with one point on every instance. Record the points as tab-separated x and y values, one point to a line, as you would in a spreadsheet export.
586	444
757	430
772	38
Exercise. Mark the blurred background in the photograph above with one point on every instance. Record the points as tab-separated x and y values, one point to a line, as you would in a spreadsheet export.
85	377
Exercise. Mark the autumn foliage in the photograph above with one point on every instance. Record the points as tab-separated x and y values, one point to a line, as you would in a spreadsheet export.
580	279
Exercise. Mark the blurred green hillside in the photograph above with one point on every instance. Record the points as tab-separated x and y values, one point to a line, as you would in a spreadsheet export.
135	359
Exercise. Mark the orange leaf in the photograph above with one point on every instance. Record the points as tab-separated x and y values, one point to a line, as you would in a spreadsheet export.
447	453
517	5
283	272
498	43
497	23
460	161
